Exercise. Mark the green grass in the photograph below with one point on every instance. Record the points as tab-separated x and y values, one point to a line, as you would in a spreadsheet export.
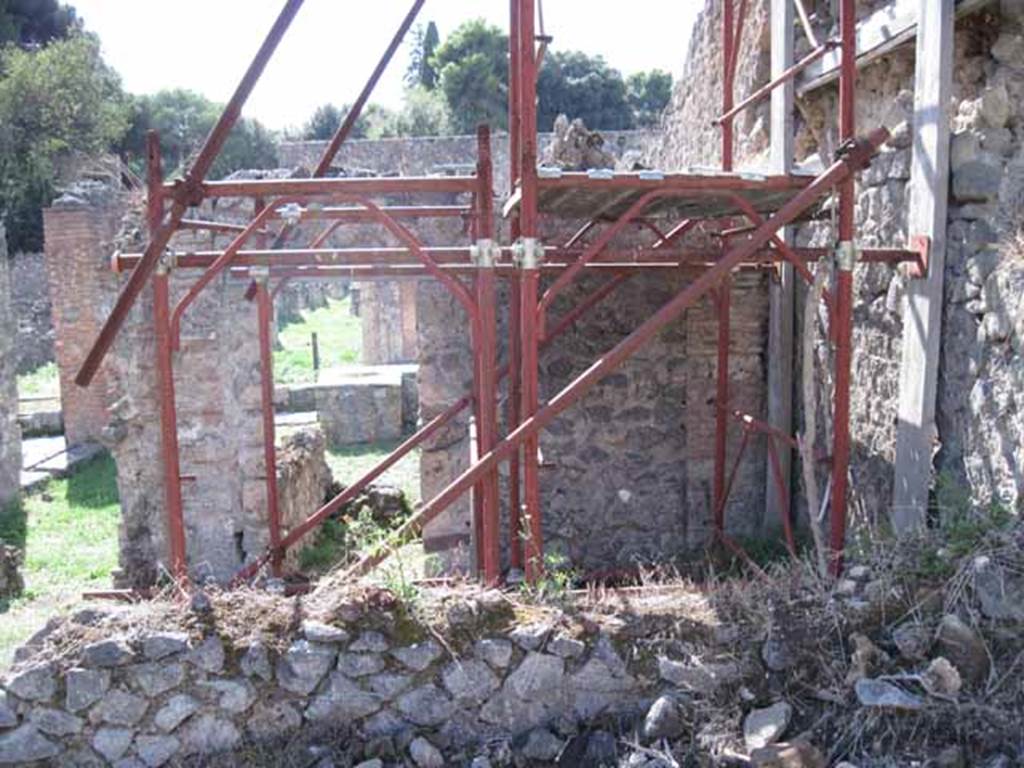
68	531
350	463
339	336
44	381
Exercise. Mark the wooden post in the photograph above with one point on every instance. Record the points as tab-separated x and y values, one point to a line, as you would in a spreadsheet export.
315	342
781	290
916	433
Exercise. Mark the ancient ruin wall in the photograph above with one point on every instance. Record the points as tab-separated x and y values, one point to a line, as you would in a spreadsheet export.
388	314
153	695
80	229
980	425
429	155
10	432
32	311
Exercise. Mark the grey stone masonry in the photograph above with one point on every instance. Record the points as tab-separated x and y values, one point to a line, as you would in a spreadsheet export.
156	695
10	432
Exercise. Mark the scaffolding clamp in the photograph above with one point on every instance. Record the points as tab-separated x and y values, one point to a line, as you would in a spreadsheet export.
260	274
484	253
847	255
167	263
528	253
291	213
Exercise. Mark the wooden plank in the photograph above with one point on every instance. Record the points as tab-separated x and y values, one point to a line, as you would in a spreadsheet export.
781	291
878	34
916	432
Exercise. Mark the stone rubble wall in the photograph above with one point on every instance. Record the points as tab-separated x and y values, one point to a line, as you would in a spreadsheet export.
151	697
303	481
32	310
10	432
980	428
429	155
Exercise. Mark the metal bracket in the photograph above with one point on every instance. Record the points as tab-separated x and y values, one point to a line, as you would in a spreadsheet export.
168	262
291	213
260	274
843	150
528	253
922	245
847	254
485	253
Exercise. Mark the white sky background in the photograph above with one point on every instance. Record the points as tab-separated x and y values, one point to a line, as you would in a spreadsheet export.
333	45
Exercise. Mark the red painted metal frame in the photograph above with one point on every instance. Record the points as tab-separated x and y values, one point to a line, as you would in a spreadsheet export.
160	236
454	267
531	425
265	318
843	319
173	509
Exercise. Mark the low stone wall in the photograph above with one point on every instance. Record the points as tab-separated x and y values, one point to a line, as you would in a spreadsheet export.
359	404
131	689
10	432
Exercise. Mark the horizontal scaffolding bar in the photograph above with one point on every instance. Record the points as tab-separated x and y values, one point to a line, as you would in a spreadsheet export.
355	186
458	258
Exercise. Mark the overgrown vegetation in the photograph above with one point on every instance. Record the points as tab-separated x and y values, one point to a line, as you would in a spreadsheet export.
68	532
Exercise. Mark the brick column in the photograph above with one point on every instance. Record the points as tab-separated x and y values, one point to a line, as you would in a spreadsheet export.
79	240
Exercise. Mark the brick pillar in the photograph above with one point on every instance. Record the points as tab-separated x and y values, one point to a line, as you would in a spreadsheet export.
79	236
10	433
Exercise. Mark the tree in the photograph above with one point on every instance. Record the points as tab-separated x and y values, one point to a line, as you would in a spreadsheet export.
425	113
324	122
472	71
421	72
376	122
582	86
55	102
183	120
648	94
31	23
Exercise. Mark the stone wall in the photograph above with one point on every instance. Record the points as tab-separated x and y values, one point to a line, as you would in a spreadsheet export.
10	432
32	311
219	431
151	691
80	229
303	480
980	429
388	314
429	155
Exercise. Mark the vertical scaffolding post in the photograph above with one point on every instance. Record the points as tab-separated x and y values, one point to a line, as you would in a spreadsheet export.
530	256
265	318
916	431
485	254
514	390
722	294
165	369
846	260
781	295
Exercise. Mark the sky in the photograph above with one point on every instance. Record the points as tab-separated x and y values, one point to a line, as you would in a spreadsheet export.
333	45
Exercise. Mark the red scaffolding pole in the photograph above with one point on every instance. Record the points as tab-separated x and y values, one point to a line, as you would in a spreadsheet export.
767	202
